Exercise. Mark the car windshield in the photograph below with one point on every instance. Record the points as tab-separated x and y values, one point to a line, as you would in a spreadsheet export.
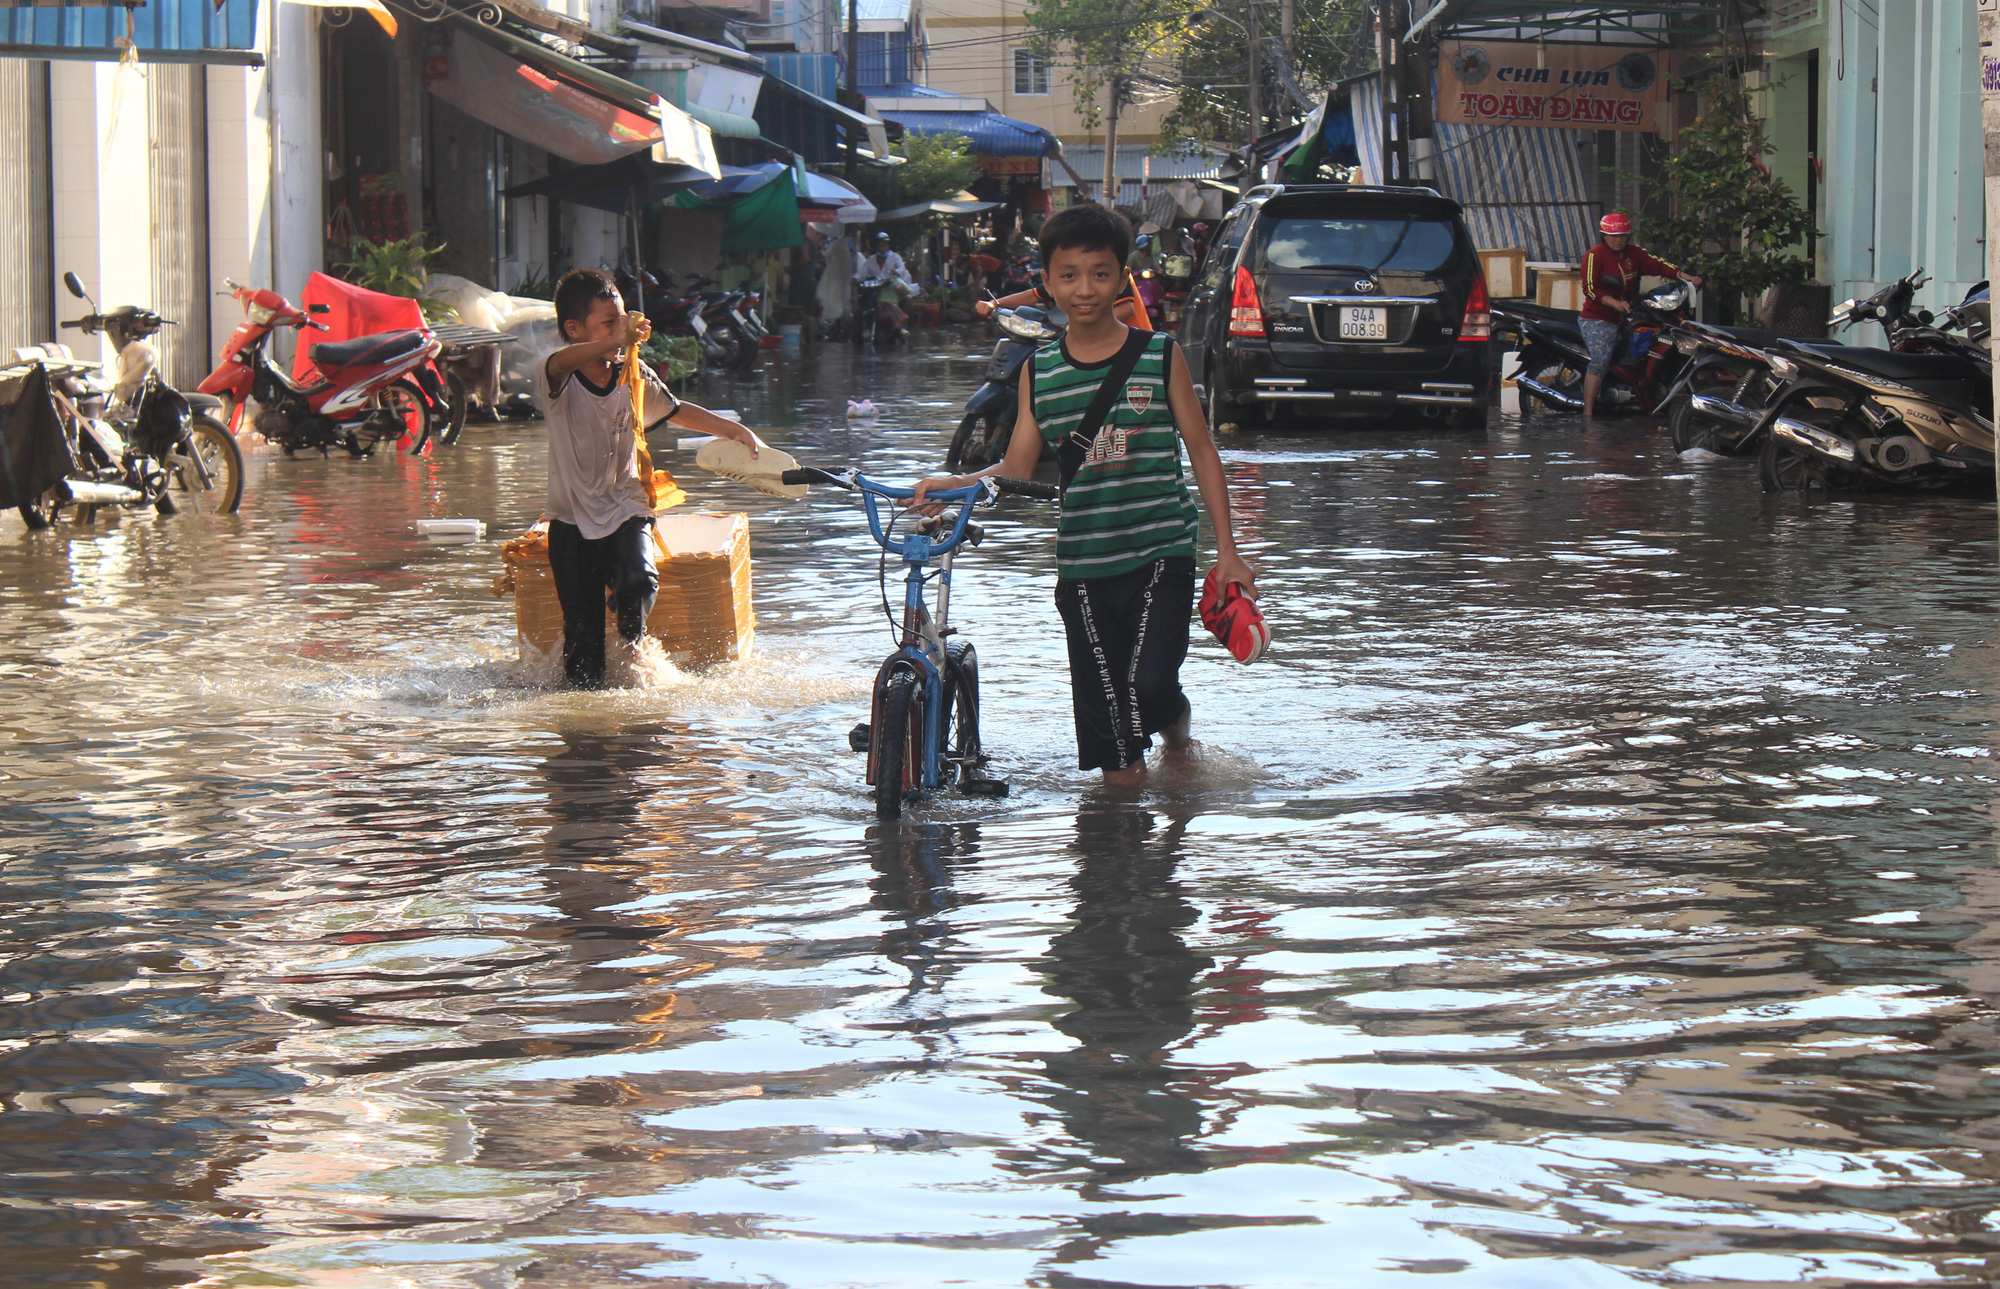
1395	245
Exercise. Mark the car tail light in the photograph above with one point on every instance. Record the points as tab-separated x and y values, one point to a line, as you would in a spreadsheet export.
1246	311
1478	323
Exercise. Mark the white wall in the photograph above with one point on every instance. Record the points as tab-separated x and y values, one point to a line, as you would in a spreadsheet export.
103	209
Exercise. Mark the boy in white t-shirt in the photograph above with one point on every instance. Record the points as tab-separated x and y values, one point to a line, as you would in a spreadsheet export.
600	527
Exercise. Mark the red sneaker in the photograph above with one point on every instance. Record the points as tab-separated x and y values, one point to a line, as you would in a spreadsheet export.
1233	619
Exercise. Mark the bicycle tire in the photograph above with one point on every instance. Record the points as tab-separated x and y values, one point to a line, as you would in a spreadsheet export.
898	719
958	736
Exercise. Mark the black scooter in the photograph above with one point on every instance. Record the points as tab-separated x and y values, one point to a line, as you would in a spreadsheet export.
988	426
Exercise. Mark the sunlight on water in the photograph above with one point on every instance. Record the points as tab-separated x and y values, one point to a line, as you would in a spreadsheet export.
1593	886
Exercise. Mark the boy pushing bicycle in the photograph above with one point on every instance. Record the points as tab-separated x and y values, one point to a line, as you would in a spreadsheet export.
1117	404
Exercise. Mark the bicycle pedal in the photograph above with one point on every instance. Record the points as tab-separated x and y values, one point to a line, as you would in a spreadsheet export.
984	787
857	738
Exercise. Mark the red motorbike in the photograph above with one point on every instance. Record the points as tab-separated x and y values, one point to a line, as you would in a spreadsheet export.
371	389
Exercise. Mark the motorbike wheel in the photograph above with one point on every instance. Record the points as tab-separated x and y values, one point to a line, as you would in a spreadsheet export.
719	347
458	402
967	433
1556	370
404	403
979	442
211	441
748	349
42	512
1783	468
1690	429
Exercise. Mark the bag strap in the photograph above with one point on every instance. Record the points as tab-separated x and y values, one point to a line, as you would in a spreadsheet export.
1075	447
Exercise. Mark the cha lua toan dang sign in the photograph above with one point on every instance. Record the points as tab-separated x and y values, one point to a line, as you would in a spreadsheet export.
1571	87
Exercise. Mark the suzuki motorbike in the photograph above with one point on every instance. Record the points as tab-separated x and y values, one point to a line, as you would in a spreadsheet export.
138	441
1554	357
370	390
988	426
1724	415
1852	419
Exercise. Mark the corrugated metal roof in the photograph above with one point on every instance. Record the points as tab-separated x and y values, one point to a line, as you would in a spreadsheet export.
1136	162
992	134
1520	185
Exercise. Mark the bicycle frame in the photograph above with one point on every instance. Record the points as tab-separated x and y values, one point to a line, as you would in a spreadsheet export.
922	648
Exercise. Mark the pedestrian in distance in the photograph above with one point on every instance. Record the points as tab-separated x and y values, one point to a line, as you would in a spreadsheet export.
1126	540
600	523
1611	273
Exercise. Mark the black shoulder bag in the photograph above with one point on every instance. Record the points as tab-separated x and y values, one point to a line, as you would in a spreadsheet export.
1075	447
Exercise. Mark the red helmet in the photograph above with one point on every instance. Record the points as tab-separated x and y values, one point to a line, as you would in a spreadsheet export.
1615	224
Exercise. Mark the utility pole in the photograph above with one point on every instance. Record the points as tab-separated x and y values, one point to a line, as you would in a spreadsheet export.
1393	15
1256	77
1287	28
853	79
1111	144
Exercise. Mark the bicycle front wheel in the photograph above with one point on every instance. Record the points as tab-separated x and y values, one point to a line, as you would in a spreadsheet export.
896	738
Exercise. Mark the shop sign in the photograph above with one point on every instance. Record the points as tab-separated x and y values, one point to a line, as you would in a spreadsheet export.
1012	165
1573	87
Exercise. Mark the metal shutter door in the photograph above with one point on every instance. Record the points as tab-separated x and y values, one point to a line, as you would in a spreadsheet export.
27	277
177	111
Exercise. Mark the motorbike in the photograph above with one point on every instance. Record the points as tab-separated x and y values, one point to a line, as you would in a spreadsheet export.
1176	279
1729	381
1855	419
1554	357
136	442
1146	285
873	313
725	322
988	424
371	389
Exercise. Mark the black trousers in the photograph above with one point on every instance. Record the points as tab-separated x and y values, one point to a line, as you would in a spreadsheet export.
584	570
1128	636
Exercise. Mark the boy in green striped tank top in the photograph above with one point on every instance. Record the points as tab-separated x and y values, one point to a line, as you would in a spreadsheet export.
1125	545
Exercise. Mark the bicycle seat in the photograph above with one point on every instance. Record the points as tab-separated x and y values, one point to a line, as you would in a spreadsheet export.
387	347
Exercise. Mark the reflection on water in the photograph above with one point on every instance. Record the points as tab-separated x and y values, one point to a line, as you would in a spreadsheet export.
1594	887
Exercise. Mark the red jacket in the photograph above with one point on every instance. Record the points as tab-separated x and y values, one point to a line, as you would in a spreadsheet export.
1607	272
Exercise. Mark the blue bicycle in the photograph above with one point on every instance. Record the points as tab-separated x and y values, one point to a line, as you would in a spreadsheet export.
923	727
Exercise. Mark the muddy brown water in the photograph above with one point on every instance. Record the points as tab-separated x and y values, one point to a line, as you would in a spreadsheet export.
1594	888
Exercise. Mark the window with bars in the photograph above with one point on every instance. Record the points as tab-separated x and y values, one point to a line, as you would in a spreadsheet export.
1031	72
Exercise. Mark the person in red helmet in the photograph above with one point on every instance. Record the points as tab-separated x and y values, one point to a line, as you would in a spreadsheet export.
1611	273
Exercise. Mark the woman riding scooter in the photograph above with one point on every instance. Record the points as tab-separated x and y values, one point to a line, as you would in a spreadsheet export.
1611	273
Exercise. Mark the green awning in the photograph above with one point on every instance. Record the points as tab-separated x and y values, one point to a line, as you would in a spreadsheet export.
764	219
727	124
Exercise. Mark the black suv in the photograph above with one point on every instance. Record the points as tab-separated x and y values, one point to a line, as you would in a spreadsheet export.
1345	299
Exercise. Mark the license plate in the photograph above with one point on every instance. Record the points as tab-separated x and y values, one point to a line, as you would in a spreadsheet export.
700	326
1364	324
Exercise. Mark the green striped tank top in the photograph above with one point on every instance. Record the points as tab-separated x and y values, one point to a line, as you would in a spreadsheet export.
1128	504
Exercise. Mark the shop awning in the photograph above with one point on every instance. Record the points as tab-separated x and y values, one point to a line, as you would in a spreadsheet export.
615	187
783	104
164	31
991	134
923	208
556	103
842	201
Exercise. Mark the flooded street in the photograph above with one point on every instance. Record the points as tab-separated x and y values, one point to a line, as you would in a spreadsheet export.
1594	887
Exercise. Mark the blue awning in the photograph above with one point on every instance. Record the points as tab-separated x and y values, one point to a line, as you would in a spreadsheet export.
191	31
992	134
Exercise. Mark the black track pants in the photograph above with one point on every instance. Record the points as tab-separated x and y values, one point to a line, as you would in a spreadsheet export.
1128	636
584	571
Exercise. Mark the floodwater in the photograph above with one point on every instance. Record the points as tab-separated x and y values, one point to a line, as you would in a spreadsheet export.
1595	887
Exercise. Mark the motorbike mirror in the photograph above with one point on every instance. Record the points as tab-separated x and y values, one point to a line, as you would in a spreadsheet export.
74	283
1926	317
319	308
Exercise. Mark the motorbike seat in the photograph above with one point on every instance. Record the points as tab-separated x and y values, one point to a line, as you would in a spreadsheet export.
386	347
1909	369
1750	337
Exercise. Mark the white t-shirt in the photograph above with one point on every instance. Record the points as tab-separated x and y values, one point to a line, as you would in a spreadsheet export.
887	264
593	471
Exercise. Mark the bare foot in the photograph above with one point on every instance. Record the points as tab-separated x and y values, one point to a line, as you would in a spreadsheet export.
1129	779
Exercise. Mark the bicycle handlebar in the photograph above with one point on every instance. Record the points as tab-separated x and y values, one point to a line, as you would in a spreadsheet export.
1027	488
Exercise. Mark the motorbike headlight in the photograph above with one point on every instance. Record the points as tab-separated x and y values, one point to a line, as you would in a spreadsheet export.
1782	365
261	316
